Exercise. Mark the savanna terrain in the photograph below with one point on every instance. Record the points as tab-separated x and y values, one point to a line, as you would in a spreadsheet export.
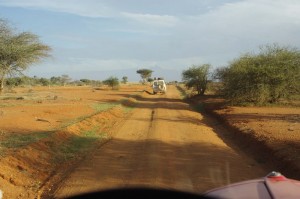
60	141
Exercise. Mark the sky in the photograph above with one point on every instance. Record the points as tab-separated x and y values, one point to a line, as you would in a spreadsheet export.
96	39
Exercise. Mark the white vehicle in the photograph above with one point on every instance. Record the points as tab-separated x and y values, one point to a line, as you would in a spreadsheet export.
159	86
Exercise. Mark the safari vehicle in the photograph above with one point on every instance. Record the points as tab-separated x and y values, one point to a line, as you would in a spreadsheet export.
159	86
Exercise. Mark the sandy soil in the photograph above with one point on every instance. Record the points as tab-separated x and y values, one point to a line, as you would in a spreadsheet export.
272	132
42	135
276	128
57	105
163	144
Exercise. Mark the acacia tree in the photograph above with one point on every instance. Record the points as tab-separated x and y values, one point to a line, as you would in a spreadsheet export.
196	77
18	51
145	74
65	79
124	79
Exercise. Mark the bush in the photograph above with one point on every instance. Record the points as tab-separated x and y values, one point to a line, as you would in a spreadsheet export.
266	77
113	82
44	81
14	81
124	79
196	77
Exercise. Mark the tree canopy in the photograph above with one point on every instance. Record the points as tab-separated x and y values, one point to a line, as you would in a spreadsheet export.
113	82
196	77
18	51
265	77
124	79
145	74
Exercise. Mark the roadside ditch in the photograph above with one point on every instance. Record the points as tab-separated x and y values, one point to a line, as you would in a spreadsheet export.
33	164
246	139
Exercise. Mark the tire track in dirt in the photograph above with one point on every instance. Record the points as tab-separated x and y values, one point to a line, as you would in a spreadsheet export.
163	144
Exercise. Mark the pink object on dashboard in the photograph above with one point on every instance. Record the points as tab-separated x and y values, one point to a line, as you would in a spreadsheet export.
273	186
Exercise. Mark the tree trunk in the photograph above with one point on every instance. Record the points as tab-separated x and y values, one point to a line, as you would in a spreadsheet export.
1	84
202	91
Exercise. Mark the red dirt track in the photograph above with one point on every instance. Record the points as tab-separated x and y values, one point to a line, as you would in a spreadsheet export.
163	144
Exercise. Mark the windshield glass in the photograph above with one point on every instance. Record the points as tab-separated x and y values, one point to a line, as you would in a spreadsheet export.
156	83
185	95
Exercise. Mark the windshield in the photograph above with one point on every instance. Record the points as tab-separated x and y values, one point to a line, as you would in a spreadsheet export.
82	107
156	83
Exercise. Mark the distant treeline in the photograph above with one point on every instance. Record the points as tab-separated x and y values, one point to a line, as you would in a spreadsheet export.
53	81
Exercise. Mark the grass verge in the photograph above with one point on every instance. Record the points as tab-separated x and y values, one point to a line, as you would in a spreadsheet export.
15	141
99	107
79	144
182	92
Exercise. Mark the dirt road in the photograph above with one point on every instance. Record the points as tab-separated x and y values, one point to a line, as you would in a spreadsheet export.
163	144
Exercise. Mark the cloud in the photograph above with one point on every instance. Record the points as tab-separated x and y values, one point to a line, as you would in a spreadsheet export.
233	28
88	8
250	16
92	9
150	19
169	33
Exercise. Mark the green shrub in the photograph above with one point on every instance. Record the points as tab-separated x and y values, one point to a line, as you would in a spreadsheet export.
196	77
112	82
267	77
